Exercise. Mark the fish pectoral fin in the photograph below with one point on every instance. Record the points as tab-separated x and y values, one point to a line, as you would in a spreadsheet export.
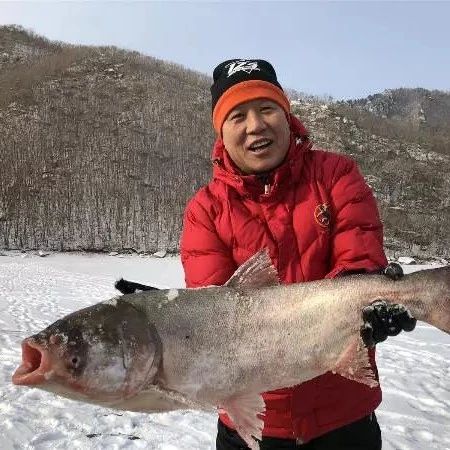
354	363
244	410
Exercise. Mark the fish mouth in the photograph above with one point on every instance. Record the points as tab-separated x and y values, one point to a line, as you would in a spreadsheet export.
36	365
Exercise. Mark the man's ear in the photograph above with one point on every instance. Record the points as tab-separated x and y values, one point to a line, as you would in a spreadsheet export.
288	117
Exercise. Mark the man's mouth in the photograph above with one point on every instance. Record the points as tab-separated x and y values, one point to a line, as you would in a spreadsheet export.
260	145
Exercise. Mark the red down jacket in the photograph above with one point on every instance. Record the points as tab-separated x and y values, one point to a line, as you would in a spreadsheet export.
317	218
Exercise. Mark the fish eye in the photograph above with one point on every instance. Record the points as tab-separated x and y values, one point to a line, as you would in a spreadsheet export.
75	362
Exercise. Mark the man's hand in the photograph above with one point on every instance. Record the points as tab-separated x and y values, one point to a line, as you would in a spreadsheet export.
382	319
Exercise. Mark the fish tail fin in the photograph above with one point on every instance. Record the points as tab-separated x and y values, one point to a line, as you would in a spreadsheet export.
354	364
432	289
440	312
441	318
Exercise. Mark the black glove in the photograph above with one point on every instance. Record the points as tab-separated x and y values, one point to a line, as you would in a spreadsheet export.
382	319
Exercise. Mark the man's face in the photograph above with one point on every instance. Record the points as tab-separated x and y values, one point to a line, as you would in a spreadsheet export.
256	135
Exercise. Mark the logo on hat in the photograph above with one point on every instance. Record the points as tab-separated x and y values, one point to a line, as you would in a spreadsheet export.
242	65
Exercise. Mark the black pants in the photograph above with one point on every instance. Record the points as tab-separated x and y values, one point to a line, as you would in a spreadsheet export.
363	434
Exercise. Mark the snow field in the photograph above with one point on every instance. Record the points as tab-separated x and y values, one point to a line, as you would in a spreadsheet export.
414	368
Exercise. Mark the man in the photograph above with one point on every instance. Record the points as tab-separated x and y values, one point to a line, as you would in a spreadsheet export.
317	218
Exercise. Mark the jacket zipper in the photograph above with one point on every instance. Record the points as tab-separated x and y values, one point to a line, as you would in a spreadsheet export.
264	178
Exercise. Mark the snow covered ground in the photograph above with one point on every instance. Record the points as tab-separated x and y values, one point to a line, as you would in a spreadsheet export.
414	368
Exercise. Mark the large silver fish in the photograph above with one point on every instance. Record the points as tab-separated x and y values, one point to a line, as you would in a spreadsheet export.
221	346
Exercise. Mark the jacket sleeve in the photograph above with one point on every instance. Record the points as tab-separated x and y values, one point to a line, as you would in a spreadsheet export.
206	259
357	231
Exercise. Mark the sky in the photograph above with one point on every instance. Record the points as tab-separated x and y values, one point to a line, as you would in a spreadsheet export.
342	49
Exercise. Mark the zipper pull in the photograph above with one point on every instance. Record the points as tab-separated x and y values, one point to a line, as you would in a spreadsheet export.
266	189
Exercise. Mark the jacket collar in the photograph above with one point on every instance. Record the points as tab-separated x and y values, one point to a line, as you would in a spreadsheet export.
254	185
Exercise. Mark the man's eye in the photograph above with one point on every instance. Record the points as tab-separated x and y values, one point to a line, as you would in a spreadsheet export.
266	108
237	116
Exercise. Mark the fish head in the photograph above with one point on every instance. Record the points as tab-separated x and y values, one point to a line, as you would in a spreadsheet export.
101	354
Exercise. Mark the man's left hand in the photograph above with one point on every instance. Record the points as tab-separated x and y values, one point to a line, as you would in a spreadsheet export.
382	319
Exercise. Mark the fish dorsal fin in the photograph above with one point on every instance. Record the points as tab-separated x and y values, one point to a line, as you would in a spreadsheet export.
256	272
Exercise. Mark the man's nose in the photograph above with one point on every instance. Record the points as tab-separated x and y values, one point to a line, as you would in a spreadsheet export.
255	122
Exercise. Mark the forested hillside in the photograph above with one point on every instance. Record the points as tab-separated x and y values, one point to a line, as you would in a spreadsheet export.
101	148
